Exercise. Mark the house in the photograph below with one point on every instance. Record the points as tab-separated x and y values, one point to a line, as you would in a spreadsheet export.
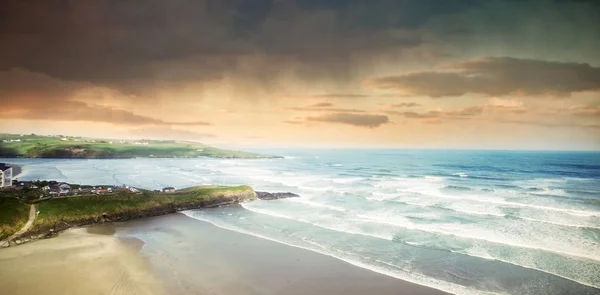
54	190
64	188
6	175
25	184
168	189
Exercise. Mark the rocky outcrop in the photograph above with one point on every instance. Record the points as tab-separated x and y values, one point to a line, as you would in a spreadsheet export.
274	196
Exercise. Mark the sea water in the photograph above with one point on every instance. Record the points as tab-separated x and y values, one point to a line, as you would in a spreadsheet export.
465	222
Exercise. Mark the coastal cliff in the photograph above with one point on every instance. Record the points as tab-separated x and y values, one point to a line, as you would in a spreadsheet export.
59	214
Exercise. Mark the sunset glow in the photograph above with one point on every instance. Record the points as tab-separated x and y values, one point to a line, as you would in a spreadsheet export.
494	75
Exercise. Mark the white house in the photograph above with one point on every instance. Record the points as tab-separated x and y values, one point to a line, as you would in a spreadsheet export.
6	175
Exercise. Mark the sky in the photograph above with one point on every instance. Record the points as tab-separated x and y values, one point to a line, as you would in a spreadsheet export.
497	74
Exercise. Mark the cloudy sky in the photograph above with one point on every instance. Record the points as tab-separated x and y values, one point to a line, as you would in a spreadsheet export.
502	74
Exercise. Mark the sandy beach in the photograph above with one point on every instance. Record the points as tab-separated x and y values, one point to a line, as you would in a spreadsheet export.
77	262
196	257
175	254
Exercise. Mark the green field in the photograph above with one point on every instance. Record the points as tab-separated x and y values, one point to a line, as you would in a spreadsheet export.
13	215
14	212
36	146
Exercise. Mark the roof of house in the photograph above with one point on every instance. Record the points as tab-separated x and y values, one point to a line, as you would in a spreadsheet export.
4	167
168	188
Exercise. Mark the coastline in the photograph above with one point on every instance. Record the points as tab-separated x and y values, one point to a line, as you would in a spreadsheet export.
51	229
177	254
260	157
512	268
196	257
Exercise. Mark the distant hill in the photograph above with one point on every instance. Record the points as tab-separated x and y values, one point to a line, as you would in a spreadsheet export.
37	146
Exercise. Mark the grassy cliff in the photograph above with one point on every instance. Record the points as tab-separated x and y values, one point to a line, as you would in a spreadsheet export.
36	146
126	205
61	213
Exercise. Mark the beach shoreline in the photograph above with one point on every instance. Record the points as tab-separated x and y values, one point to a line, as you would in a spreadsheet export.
177	254
196	257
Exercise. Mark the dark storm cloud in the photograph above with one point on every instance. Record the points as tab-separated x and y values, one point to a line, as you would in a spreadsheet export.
139	46
127	44
498	76
360	120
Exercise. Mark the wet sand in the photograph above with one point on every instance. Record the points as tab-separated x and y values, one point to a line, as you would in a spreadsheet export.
175	254
196	257
77	262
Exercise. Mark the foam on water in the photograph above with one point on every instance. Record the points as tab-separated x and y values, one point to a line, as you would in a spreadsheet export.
311	203
406	275
588	251
347	228
483	207
504	231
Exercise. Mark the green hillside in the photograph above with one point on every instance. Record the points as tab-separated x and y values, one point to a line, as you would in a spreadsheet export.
36	146
82	207
14	205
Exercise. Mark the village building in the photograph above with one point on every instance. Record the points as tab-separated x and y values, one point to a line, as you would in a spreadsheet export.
6	175
64	189
168	189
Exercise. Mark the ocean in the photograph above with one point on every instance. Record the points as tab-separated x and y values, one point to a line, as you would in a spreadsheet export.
464	222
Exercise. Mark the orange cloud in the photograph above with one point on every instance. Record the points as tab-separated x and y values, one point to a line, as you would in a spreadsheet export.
322	105
341	96
405	105
321	109
436	114
166	132
79	111
35	96
360	120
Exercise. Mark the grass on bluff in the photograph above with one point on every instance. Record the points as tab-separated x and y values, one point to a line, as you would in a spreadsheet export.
81	207
13	216
37	146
